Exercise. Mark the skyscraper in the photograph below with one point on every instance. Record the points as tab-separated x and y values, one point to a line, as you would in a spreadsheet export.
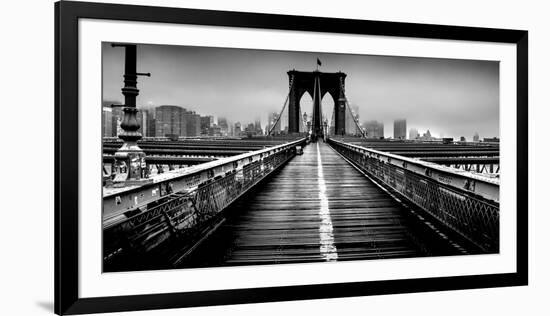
231	128
271	119
206	123
413	133
107	127
168	121
118	115
258	127
192	123
238	130
143	121
250	130
214	130
476	137
374	129
224	127
400	129
151	124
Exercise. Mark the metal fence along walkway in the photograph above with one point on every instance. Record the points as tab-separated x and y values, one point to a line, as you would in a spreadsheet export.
318	208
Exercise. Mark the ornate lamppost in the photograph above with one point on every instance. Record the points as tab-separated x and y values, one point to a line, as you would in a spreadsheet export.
130	159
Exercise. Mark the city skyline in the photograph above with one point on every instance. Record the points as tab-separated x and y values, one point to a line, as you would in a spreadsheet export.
176	121
449	97
372	128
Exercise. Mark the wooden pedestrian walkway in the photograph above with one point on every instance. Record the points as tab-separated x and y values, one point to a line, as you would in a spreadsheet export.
316	208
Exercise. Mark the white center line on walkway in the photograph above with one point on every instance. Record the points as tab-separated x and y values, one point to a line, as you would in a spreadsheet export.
328	249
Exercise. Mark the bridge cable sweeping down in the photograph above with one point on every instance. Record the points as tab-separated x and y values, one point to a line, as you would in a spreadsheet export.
284	107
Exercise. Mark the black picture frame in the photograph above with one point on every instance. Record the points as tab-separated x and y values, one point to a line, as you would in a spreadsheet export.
67	15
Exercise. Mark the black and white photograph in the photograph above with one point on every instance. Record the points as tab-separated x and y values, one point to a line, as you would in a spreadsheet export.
221	157
273	158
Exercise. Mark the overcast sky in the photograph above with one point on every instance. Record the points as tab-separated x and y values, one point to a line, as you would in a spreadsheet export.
451	98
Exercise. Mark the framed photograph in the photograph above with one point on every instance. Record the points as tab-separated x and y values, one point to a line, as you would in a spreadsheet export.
210	158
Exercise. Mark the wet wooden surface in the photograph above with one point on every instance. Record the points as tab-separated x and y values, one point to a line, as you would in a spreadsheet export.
316	208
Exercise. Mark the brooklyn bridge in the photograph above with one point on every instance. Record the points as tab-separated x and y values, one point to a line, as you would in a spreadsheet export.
314	194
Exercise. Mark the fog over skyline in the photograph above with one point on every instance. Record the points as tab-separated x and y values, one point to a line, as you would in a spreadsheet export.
450	97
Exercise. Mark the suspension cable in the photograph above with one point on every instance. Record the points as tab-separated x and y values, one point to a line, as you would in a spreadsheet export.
354	118
284	106
351	111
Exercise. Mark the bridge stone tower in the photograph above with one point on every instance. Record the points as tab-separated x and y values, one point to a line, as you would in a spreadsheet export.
317	84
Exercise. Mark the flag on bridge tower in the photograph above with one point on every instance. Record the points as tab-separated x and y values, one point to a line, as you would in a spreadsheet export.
318	62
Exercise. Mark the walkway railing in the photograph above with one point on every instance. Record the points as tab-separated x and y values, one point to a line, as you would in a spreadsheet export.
181	204
467	203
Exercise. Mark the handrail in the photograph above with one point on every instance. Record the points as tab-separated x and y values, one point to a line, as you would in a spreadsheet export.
465	202
486	187
183	207
119	200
